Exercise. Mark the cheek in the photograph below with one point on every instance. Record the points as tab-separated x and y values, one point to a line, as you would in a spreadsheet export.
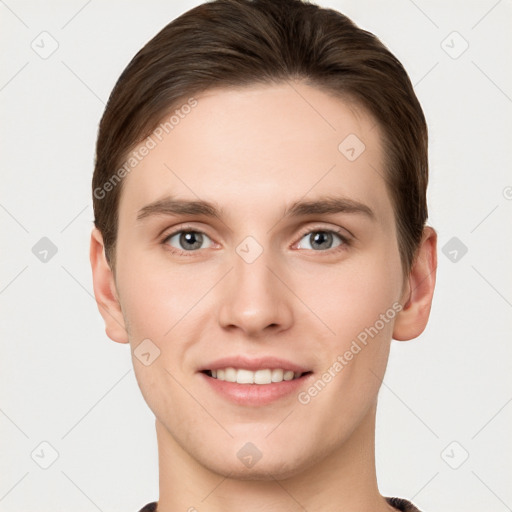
155	303
357	301
154	297
349	297
358	309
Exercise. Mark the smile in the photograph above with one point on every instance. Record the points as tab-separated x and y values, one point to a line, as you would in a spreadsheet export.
263	376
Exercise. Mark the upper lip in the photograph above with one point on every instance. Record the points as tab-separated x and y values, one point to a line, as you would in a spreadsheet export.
254	364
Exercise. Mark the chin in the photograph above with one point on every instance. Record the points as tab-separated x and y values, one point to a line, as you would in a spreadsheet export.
276	466
261	472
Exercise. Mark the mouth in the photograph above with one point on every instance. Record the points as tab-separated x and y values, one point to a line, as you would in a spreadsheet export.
255	388
255	381
260	377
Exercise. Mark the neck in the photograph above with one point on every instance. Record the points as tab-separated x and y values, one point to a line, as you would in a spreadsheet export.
344	481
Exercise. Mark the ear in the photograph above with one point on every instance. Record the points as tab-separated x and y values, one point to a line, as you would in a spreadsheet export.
105	290
417	297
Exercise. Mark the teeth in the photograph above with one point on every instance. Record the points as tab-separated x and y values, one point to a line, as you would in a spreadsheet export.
263	377
230	375
266	376
277	375
244	376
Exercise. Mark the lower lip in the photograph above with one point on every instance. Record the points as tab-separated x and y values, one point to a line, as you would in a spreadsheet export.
256	394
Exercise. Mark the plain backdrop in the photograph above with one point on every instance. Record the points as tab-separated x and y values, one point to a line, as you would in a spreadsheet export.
68	395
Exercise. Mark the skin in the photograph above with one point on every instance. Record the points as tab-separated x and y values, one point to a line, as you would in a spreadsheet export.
254	151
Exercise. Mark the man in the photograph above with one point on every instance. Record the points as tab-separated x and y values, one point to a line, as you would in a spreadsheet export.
260	209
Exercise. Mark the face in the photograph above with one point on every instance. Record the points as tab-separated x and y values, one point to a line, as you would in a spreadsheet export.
258	235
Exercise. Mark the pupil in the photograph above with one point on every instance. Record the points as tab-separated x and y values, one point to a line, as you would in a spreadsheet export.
194	240
321	237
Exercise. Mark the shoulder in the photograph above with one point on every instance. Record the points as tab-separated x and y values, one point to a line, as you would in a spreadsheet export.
150	507
400	504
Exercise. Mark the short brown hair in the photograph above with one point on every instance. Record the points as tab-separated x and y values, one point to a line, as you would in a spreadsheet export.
232	43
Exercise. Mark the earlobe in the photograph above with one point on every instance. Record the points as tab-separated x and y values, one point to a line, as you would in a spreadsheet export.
105	290
417	300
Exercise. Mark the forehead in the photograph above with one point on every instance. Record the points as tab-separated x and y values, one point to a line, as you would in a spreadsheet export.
249	148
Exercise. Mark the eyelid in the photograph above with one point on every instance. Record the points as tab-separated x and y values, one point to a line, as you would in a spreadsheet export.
168	232
343	233
345	236
166	235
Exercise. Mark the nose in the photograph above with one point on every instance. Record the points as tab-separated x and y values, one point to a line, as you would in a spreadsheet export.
253	298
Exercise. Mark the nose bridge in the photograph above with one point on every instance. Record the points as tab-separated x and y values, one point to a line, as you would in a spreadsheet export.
253	298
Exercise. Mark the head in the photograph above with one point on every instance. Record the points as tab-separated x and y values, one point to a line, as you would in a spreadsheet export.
290	146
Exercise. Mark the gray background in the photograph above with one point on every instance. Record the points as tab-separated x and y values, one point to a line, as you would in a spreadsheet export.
446	395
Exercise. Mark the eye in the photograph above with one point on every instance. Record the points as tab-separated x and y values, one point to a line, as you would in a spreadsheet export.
188	240
319	239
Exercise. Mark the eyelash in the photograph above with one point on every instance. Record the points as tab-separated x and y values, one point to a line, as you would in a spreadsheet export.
345	241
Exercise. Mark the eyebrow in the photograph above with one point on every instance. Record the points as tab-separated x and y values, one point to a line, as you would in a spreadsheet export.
172	206
322	205
326	205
